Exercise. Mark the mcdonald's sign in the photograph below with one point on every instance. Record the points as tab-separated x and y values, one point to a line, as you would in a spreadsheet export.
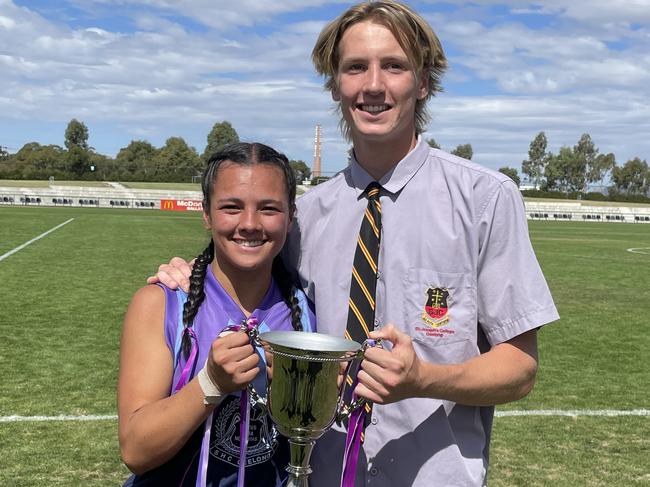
181	205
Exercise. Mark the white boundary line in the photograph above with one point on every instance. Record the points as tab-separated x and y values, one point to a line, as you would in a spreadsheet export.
499	414
20	247
575	412
61	417
639	250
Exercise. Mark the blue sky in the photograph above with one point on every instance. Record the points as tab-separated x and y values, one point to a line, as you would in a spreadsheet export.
154	69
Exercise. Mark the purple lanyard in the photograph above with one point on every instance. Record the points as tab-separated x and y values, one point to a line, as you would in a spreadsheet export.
355	430
248	326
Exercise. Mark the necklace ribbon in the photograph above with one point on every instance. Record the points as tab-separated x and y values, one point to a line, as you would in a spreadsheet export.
248	326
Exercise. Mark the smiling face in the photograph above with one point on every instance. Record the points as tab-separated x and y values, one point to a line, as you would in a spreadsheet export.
376	85
249	217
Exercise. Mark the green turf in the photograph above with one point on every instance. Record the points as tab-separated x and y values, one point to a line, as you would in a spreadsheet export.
64	297
570	452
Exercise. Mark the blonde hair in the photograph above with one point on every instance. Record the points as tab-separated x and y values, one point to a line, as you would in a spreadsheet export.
414	35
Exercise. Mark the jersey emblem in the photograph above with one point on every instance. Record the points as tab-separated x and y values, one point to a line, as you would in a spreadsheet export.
262	436
436	310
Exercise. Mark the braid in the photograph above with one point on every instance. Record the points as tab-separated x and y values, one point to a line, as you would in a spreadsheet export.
285	283
196	294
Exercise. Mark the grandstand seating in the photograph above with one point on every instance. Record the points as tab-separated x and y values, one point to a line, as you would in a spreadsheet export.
93	197
117	196
583	211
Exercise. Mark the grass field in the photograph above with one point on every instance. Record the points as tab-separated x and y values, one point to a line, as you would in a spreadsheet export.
64	297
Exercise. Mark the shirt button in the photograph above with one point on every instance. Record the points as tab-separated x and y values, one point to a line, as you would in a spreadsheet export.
373	471
374	421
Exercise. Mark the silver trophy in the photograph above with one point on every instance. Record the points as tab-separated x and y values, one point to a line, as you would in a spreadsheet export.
303	395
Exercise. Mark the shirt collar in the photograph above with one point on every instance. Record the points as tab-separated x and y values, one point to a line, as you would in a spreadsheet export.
395	179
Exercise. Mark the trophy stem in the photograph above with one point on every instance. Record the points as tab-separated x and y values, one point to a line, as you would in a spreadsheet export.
298	468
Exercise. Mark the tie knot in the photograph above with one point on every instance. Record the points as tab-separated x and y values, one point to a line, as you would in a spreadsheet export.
372	190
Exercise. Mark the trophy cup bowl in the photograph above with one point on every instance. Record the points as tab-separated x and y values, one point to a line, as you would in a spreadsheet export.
303	396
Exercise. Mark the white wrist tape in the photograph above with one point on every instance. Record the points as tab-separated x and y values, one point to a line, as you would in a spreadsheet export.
211	393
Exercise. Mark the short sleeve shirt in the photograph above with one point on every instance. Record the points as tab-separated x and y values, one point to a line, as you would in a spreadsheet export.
456	272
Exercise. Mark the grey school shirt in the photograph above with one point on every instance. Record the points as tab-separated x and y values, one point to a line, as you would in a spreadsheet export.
456	272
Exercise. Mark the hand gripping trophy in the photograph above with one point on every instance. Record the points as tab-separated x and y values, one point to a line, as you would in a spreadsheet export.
304	397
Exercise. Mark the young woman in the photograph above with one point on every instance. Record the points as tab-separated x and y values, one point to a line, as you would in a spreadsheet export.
182	369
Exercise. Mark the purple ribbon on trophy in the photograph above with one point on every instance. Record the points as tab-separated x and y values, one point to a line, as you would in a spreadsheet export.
355	428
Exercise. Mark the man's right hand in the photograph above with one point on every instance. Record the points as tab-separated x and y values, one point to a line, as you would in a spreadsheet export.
174	275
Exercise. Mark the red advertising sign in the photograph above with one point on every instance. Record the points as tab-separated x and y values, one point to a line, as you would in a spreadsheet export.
181	205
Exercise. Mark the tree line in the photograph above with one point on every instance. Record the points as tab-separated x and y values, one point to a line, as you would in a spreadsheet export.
574	170
175	161
570	172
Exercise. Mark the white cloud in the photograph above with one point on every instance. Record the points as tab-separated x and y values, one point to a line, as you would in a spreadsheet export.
163	77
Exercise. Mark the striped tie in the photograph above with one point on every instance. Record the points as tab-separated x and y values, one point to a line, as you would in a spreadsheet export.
361	315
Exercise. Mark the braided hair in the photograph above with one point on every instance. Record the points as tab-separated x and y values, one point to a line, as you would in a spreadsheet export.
245	154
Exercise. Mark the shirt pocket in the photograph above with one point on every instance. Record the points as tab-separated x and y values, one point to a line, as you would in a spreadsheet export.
440	310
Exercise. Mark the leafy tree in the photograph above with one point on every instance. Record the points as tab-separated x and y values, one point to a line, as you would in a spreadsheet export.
105	168
463	150
222	134
586	154
511	172
301	169
78	161
432	143
4	155
177	161
76	135
603	165
564	171
534	167
633	178
137	161
36	161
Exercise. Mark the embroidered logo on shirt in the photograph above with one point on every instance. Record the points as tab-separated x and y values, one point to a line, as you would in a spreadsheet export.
436	310
262	436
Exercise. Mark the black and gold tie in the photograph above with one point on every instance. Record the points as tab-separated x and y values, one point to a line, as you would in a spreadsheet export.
361	314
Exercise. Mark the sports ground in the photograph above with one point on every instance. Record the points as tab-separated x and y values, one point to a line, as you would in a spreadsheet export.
67	274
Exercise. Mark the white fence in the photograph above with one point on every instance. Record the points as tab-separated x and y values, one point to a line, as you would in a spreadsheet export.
580	211
108	197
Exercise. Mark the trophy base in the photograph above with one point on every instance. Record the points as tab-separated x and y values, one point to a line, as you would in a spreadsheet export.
298	480
298	468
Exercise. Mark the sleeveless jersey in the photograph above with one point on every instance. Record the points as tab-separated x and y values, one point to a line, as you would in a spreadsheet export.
268	452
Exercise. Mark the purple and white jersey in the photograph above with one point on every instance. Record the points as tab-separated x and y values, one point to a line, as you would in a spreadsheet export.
456	272
267	452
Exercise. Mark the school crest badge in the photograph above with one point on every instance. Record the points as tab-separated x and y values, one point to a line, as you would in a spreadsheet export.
436	309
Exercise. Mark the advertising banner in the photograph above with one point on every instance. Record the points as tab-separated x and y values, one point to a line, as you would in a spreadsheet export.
181	205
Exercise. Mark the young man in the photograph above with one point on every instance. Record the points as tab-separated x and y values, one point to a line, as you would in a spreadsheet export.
459	292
